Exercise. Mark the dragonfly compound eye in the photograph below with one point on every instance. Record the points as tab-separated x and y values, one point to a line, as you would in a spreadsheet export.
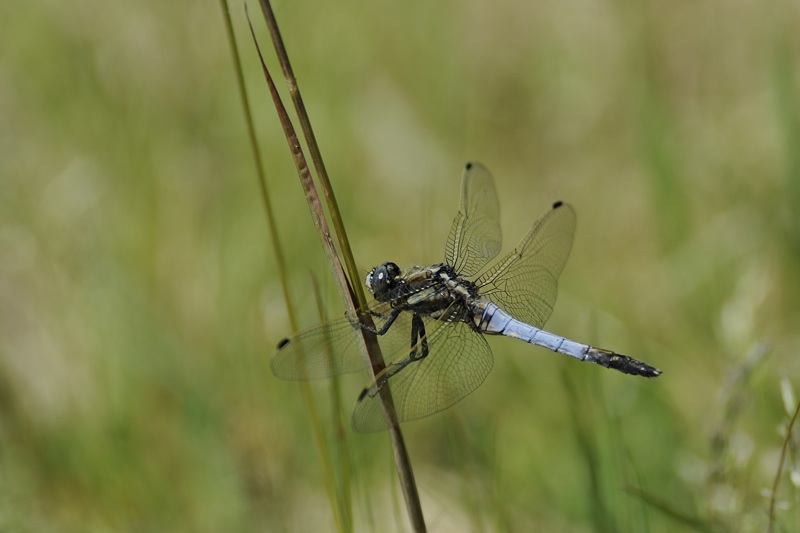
380	279
392	270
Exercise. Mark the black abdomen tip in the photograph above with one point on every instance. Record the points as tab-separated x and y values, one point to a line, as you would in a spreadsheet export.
558	204
283	343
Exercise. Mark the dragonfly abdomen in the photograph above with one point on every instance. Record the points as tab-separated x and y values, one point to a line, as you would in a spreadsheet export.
495	321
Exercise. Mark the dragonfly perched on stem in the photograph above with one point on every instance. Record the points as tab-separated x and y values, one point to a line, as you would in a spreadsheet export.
431	320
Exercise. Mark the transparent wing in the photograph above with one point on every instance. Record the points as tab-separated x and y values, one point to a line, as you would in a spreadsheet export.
333	348
525	282
475	236
458	361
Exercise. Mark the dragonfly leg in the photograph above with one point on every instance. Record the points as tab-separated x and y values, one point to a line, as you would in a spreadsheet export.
417	334
386	325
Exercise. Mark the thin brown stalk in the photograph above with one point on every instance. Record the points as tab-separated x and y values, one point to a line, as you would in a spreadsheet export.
313	147
280	265
774	493
347	291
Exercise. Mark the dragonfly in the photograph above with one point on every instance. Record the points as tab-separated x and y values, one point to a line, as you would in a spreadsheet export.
431	321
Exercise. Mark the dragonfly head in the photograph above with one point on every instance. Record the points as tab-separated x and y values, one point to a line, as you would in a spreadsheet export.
382	279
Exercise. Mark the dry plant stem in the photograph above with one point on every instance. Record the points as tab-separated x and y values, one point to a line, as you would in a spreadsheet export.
773	495
313	147
280	264
317	214
405	472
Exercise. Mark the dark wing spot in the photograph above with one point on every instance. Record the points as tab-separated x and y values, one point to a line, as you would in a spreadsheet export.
363	394
283	343
558	204
469	165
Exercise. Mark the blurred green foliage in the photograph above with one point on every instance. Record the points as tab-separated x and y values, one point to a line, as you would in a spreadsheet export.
139	306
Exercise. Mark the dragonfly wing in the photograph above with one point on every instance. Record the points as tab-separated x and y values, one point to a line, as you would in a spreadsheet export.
475	236
525	282
334	348
459	360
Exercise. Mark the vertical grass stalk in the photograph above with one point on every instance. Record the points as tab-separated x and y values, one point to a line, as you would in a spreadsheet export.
344	496
773	493
352	294
280	264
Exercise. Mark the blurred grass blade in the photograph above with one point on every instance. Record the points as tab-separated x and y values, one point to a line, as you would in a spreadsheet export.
368	340
691	522
788	118
641	507
344	497
280	264
787	395
602	518
660	153
774	492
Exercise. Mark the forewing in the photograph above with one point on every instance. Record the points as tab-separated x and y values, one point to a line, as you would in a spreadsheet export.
525	282
475	236
333	347
459	360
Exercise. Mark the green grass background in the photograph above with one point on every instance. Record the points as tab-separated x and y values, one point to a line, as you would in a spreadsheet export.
139	305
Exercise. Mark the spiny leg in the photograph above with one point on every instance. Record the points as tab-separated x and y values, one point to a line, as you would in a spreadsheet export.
386	325
417	334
